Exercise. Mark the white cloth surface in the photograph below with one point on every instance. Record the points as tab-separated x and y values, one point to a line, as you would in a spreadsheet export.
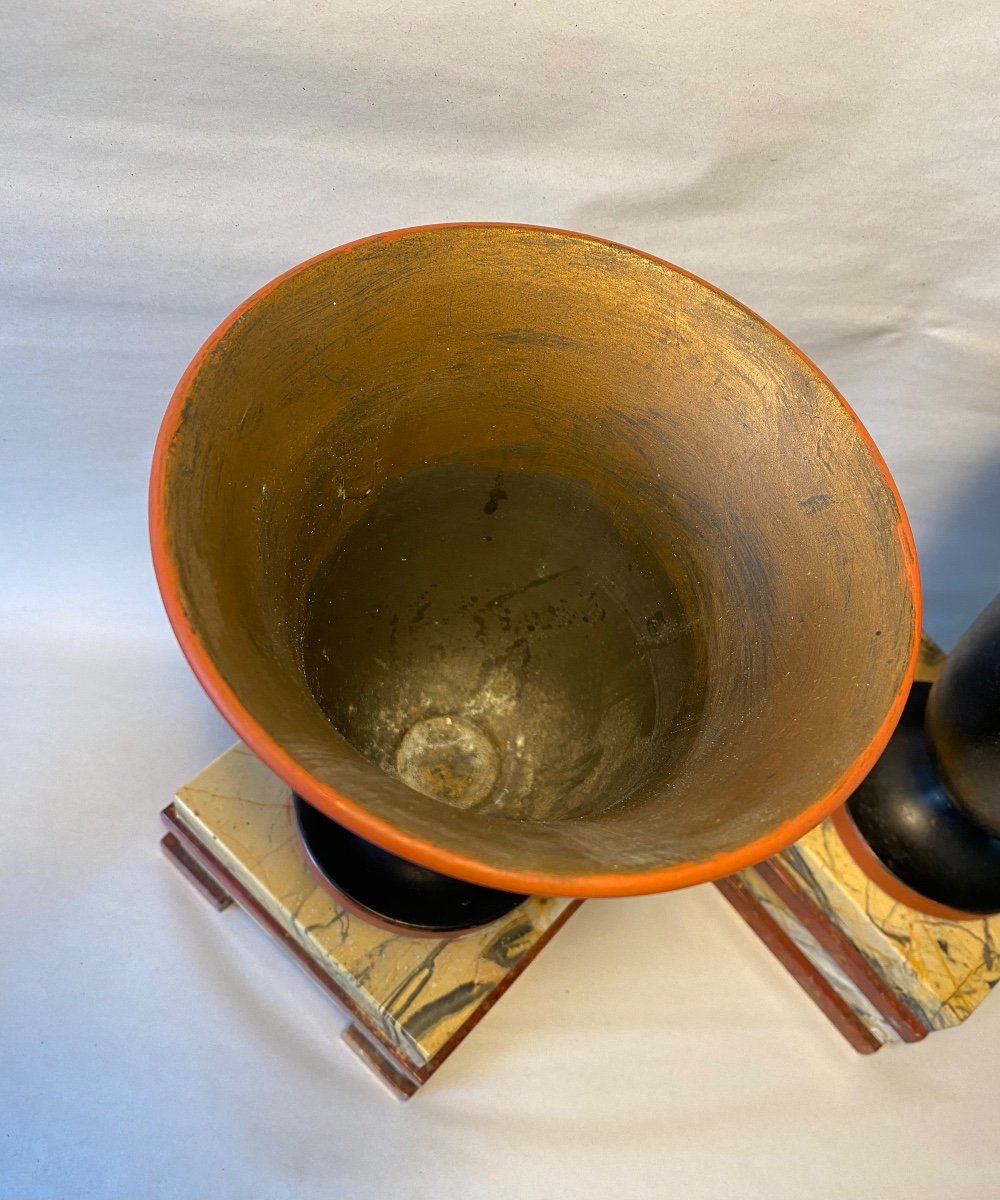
834	165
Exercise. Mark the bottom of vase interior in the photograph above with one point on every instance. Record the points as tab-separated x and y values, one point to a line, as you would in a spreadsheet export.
504	642
391	891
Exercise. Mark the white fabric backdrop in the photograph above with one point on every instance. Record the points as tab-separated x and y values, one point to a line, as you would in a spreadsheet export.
835	165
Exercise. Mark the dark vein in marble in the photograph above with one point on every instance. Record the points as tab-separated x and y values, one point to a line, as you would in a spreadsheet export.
424	1019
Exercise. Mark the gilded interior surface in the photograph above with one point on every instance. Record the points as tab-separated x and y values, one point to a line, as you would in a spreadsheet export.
538	549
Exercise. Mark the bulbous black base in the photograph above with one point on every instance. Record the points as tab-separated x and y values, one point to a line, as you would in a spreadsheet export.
915	830
391	889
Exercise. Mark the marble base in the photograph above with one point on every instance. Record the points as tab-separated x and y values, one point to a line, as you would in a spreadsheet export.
410	1000
881	971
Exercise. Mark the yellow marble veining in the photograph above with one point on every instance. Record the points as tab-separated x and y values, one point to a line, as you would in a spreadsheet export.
419	991
944	968
866	1012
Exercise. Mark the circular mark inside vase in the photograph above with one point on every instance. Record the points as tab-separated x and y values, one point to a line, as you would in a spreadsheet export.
450	759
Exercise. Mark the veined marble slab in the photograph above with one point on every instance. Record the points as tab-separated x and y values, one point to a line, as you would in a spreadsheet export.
419	992
940	969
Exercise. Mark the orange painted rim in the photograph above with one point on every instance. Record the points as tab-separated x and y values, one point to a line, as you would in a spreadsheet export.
882	877
450	862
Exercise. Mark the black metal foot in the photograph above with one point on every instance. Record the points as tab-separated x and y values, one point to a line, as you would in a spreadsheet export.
915	829
389	888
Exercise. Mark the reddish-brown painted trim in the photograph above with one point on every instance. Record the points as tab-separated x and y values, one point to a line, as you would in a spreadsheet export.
364	1036
374	1058
452	862
192	870
510	976
244	899
843	952
879	874
805	973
